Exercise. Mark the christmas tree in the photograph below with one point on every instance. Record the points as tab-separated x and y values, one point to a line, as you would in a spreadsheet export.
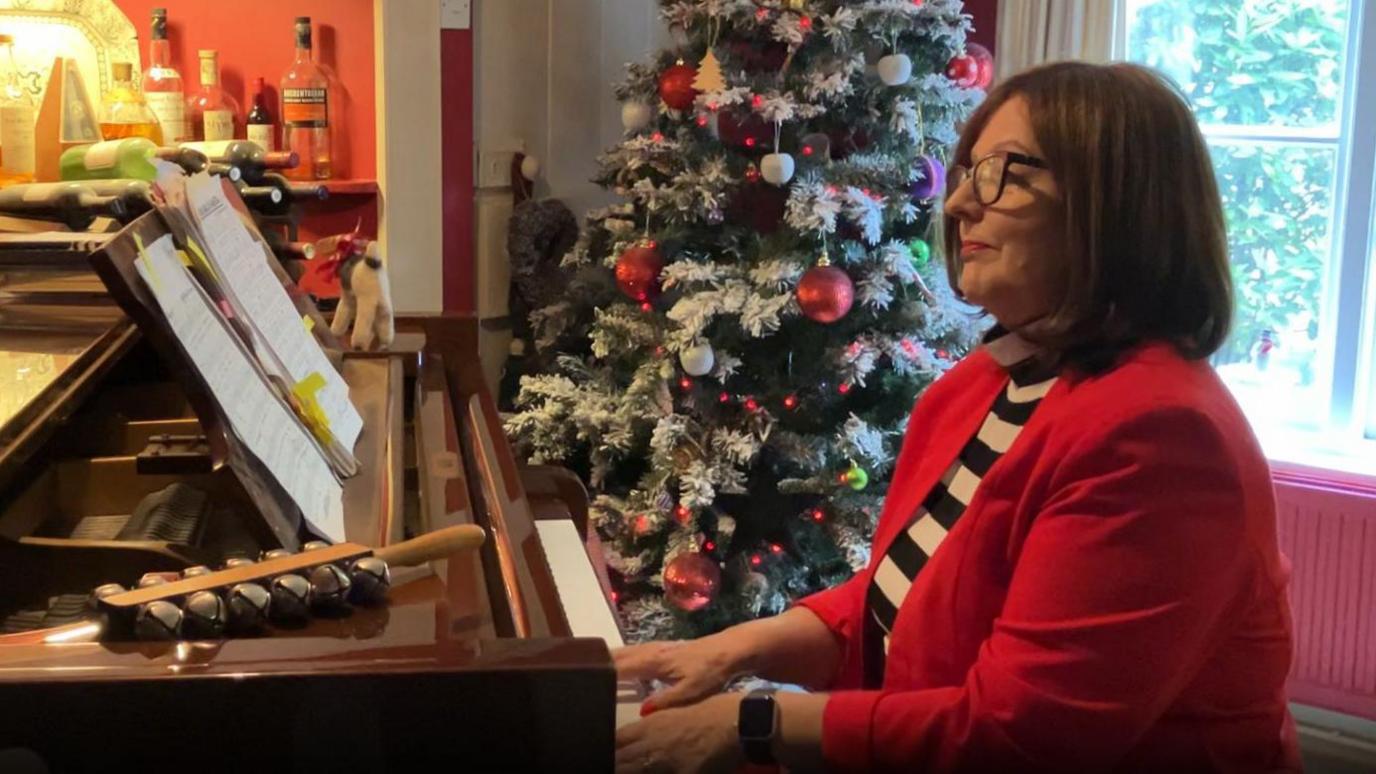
738	346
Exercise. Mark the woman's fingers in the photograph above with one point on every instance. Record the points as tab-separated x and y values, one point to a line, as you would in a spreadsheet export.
641	662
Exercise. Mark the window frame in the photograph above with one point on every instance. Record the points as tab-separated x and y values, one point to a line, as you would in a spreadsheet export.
1347	441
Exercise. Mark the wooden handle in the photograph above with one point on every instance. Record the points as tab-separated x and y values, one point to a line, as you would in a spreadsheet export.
433	545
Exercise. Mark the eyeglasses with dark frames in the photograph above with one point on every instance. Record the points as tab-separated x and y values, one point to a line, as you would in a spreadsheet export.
990	174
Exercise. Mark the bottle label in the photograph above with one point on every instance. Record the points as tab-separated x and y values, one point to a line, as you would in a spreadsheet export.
102	155
170	109
263	135
219	125
17	139
306	108
210	72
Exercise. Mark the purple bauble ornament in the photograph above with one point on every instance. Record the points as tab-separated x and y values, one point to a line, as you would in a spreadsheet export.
931	180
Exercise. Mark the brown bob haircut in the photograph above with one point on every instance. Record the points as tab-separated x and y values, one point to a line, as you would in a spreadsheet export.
1146	244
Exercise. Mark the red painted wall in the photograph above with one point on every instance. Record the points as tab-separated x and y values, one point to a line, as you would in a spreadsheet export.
456	115
986	16
255	39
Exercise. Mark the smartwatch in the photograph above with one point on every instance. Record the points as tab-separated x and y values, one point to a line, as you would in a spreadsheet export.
757	724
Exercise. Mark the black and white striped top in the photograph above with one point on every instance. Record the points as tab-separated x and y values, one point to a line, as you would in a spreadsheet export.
943	506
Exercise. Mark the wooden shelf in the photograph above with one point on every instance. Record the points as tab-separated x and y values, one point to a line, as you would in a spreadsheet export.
351	187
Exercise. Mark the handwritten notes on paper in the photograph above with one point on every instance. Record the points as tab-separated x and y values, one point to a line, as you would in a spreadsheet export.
246	275
257	416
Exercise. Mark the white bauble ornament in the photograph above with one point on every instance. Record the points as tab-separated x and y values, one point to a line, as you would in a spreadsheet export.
530	168
698	359
777	168
895	69
636	116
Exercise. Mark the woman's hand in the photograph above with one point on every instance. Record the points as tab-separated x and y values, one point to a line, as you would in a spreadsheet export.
700	738
695	669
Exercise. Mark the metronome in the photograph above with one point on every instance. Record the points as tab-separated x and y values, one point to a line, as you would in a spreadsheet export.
67	118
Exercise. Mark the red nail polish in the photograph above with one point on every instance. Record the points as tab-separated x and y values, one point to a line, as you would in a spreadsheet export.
646	708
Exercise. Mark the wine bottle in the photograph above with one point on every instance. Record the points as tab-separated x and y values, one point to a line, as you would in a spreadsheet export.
248	156
288	250
305	110
261	128
135	196
128	158
132	158
293	190
162	84
192	161
124	112
263	199
212	110
73	204
18	156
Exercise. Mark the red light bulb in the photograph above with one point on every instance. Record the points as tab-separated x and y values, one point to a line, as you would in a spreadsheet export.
818	514
657	137
791	402
756	560
776	548
685	383
647	307
709	546
844	388
724	398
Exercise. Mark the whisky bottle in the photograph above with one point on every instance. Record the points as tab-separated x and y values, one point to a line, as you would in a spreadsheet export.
306	110
123	111
211	110
162	84
17	115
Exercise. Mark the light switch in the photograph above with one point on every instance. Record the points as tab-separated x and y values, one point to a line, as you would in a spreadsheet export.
456	14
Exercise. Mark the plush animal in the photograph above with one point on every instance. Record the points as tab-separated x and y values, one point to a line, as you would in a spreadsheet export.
366	300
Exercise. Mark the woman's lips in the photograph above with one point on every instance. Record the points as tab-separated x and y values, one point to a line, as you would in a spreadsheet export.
969	247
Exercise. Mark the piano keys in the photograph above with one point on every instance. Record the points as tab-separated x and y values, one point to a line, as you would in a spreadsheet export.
496	660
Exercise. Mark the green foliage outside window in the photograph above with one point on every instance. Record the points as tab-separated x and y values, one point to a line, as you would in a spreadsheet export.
1272	63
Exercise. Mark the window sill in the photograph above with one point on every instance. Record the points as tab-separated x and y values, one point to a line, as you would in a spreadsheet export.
1316	459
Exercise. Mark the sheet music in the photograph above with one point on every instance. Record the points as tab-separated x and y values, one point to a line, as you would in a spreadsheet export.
266	426
245	273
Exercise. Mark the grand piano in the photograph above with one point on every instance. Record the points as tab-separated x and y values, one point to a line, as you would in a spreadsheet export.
494	660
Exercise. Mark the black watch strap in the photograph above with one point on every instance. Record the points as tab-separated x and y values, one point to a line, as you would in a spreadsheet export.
756	726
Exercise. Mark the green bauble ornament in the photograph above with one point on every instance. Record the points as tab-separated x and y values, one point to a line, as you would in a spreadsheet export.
857	478
922	252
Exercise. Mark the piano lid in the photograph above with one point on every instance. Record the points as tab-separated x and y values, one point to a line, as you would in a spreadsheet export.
57	326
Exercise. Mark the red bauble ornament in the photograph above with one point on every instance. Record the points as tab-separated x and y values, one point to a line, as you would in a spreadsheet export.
825	293
676	86
637	271
964	70
691	581
984	62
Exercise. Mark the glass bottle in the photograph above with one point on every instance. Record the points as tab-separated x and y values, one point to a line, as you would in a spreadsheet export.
261	128
211	110
162	84
123	112
305	110
17	115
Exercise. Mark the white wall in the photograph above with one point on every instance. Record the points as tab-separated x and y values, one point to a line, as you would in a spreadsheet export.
544	74
407	39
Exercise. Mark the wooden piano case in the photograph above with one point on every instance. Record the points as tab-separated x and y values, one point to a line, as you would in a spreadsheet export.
470	665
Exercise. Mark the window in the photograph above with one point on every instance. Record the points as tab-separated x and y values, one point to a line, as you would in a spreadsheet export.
1279	92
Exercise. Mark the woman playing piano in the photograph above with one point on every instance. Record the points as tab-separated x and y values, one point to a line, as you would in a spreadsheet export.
1076	566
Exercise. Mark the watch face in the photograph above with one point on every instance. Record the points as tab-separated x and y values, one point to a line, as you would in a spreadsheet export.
757	717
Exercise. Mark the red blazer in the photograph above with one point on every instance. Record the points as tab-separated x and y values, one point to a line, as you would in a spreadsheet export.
1112	598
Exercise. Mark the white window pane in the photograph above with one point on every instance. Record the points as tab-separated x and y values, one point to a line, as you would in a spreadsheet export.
1278	199
1247	62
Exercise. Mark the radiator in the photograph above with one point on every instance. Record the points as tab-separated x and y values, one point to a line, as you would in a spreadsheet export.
1328	532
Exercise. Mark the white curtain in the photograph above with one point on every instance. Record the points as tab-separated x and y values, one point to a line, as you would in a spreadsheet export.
1035	31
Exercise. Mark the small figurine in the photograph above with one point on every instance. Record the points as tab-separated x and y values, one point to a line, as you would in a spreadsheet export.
367	295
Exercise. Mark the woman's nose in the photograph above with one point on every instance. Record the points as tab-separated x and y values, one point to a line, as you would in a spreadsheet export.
961	204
